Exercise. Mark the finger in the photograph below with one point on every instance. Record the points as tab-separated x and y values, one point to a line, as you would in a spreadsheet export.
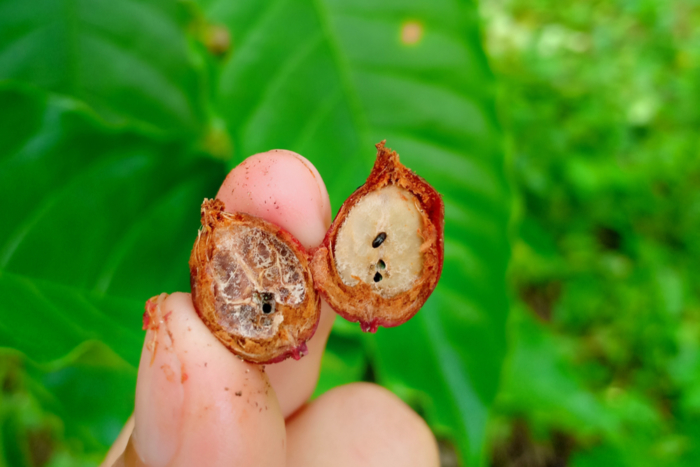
359	424
284	188
196	403
281	187
295	381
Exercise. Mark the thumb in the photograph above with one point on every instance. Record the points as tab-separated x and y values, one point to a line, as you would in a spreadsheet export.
196	403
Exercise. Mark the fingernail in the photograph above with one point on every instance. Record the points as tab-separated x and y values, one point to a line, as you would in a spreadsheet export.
159	391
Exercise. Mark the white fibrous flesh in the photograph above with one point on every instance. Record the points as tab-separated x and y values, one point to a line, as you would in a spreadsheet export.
394	265
252	272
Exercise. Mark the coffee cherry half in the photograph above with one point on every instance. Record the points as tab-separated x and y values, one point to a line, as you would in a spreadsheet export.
382	256
252	286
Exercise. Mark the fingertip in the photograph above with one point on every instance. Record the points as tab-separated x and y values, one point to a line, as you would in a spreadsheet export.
359	424
281	187
197	403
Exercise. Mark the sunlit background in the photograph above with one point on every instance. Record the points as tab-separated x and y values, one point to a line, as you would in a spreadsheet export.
563	136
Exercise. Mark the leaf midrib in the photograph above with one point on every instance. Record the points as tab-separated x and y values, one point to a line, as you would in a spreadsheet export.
358	113
456	379
71	26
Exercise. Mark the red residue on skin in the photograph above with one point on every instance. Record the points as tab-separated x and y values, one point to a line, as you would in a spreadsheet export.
169	373
184	376
151	322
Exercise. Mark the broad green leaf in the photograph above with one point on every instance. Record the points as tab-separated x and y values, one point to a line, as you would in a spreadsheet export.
72	407
344	360
557	396
329	79
129	60
92	390
100	219
46	320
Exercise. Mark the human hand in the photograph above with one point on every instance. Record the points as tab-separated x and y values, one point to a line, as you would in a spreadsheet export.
197	404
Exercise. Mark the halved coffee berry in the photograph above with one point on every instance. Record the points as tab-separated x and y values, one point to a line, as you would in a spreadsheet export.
382	256
252	286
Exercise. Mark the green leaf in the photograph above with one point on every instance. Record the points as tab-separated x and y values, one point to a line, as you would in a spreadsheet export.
47	320
557	396
129	60
447	361
102	218
329	79
70	408
92	391
344	360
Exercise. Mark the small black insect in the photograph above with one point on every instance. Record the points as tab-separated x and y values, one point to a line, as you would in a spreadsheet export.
377	277
378	240
267	302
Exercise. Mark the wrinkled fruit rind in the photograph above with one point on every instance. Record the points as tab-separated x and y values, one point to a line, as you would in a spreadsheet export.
252	285
360	303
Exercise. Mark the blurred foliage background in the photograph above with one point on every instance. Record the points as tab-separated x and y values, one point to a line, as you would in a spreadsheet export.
600	100
565	328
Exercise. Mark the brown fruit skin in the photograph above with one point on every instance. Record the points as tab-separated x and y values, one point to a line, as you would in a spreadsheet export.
299	322
360	303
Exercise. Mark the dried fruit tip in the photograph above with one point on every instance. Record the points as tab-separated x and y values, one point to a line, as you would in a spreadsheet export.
382	256
300	351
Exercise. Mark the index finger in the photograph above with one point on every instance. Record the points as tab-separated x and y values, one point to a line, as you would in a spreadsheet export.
285	188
